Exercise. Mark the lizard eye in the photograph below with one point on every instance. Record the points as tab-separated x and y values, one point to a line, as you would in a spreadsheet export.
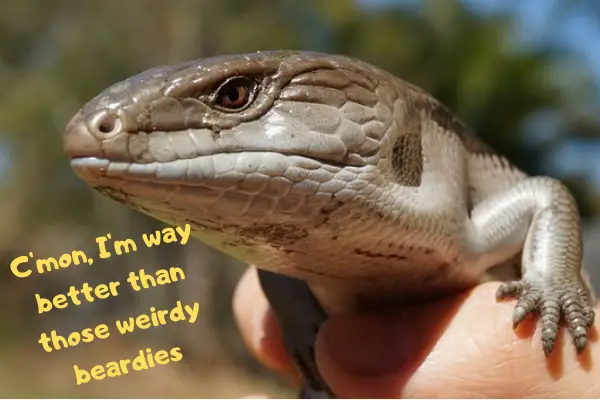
235	94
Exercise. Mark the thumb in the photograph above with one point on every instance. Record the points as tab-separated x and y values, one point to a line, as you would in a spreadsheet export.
463	346
374	355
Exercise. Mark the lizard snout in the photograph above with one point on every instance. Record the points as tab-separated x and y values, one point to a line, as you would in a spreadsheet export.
78	139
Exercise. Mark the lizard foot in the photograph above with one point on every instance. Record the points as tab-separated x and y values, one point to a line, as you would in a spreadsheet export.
551	302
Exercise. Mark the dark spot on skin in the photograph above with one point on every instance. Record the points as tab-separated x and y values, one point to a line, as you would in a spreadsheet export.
331	207
280	235
144	120
204	225
142	209
334	237
443	117
407	159
289	252
443	265
305	268
327	210
110	192
428	251
369	254
119	196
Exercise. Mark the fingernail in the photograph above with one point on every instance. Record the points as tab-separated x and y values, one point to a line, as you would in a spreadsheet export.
370	345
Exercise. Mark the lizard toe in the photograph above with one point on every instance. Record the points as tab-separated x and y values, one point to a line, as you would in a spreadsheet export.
510	290
588	309
555	304
577	313
528	303
590	316
550	318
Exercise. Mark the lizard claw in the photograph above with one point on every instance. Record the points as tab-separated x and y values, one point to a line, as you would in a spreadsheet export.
551	302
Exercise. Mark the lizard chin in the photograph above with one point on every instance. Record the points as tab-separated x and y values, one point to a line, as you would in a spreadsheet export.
260	215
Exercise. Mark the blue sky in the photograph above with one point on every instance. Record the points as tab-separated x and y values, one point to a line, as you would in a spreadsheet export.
580	30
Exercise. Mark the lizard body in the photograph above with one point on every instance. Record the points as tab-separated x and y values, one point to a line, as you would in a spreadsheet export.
341	182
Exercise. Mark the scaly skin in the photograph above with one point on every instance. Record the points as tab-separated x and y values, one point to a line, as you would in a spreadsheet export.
338	180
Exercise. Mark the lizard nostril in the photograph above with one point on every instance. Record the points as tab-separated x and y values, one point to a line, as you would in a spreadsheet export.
109	123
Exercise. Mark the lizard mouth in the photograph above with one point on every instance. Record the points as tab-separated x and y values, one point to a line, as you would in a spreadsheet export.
230	185
234	170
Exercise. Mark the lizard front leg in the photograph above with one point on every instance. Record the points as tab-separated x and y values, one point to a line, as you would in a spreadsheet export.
541	212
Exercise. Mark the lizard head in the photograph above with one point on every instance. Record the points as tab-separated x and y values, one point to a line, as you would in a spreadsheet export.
268	137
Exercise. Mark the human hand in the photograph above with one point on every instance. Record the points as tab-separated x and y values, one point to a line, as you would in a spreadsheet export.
462	346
